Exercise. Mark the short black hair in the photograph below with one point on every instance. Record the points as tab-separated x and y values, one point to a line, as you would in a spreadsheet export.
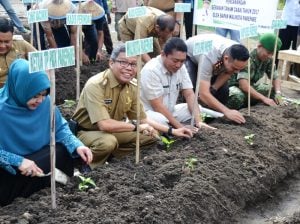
6	25
165	22
174	43
237	52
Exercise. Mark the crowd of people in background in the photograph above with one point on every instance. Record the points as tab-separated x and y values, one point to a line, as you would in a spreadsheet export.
106	113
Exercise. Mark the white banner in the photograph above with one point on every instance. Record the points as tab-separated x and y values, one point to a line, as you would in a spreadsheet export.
234	14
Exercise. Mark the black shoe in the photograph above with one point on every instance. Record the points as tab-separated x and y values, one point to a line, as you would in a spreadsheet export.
85	168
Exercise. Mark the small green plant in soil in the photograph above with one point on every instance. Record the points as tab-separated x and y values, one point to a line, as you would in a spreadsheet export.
296	103
69	103
167	142
205	116
86	183
250	139
190	163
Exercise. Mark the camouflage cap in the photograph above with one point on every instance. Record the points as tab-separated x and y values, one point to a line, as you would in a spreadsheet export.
268	40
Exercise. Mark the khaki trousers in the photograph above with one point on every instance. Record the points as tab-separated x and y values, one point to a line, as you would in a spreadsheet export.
104	144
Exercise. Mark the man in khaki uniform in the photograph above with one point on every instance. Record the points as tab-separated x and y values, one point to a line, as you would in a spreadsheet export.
168	7
107	100
154	24
11	48
119	8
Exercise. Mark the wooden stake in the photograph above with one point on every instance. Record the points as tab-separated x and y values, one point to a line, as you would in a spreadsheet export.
52	137
195	104
77	64
78	57
37	27
181	26
249	80
138	118
273	63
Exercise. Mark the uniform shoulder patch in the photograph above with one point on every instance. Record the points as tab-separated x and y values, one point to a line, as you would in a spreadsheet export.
18	37
134	82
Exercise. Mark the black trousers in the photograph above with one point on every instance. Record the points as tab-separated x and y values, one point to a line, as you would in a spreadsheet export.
288	36
12	186
107	38
188	22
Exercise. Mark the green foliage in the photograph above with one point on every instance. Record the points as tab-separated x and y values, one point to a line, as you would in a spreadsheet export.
296	103
86	183
281	4
191	163
250	139
167	142
69	103
204	116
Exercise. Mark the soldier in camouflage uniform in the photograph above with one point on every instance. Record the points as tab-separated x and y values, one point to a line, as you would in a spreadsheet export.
260	63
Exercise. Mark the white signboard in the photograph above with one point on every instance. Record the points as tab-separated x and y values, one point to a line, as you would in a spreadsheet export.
249	31
138	47
79	19
233	14
279	24
38	15
202	47
182	7
50	59
136	11
31	1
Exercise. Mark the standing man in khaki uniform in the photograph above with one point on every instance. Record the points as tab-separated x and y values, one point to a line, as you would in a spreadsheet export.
154	24
106	102
168	7
11	48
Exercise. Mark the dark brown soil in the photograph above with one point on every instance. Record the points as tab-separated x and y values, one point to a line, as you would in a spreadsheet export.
229	176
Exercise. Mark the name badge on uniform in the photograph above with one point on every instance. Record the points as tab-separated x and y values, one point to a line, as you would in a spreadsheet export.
107	101
166	86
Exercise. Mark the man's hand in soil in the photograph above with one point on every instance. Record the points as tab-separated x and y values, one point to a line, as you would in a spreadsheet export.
269	102
201	125
100	56
29	168
85	59
235	116
279	99
85	154
183	132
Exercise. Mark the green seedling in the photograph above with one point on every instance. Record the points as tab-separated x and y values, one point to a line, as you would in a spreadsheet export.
86	183
190	163
204	116
167	142
69	103
296	103
250	139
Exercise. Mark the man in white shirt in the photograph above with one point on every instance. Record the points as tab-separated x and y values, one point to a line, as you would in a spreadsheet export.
162	78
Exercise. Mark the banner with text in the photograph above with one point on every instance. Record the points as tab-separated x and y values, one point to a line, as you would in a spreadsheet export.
233	14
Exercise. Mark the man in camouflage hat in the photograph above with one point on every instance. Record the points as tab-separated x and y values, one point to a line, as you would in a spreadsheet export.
260	63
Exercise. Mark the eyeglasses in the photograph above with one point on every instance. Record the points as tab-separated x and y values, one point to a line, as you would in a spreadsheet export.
125	64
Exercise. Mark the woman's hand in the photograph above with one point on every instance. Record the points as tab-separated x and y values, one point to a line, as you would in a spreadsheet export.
29	168
85	153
